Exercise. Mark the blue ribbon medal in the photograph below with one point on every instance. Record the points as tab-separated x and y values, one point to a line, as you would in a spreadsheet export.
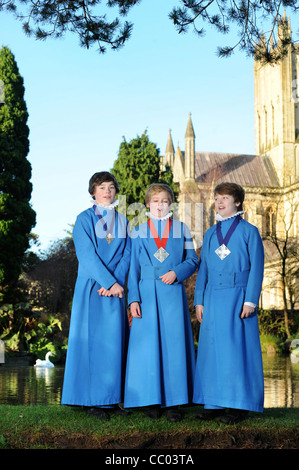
109	237
223	251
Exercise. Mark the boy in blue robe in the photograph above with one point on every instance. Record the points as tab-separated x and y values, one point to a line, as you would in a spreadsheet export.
229	369
161	357
95	363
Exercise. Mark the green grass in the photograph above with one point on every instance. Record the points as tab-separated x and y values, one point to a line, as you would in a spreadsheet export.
56	427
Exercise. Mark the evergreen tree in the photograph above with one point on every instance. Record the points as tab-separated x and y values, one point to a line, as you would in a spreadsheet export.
137	166
16	215
89	20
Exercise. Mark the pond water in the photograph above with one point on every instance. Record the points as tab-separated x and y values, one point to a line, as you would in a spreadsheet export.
29	385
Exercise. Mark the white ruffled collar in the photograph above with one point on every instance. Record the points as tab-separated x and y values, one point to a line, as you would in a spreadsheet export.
219	217
167	216
110	207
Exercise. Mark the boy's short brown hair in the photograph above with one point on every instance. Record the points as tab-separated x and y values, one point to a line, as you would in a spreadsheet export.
99	178
233	189
157	188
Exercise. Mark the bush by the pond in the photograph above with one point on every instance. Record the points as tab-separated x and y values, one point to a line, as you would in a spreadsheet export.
31	330
271	344
24	329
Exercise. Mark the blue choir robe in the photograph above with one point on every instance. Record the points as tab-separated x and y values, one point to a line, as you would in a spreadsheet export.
96	354
229	369
161	356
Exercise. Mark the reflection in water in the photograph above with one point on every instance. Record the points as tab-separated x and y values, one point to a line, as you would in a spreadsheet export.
30	385
34	386
281	378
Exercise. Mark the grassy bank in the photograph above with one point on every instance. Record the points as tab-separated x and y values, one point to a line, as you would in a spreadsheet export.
59	427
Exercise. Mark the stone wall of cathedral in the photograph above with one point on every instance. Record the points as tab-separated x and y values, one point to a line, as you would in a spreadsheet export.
274	210
277	114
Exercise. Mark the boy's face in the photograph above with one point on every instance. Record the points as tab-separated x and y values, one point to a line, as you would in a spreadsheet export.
159	204
225	205
105	193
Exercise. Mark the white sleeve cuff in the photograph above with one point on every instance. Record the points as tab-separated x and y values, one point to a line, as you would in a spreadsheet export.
250	304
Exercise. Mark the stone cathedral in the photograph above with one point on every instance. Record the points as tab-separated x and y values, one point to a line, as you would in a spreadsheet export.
270	177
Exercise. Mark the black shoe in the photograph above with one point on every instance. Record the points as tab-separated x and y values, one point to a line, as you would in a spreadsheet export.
208	415
154	412
98	413
234	416
174	415
119	410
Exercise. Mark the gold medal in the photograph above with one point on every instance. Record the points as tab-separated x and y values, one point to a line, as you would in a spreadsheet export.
109	238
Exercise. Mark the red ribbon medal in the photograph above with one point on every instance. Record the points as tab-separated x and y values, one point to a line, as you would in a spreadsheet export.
161	254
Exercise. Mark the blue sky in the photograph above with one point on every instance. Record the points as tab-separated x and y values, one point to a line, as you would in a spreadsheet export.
81	104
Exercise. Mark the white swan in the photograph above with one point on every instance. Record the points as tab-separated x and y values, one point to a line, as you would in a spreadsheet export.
294	351
46	362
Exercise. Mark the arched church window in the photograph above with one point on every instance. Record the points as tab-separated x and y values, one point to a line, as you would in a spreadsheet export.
245	210
266	127
270	222
212	215
259	131
273	125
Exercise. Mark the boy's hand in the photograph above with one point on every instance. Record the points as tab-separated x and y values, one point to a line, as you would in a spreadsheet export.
104	292
247	311
116	290
168	278
199	312
135	310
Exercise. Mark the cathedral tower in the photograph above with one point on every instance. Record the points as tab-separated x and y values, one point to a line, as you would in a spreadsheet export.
277	113
189	150
169	152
